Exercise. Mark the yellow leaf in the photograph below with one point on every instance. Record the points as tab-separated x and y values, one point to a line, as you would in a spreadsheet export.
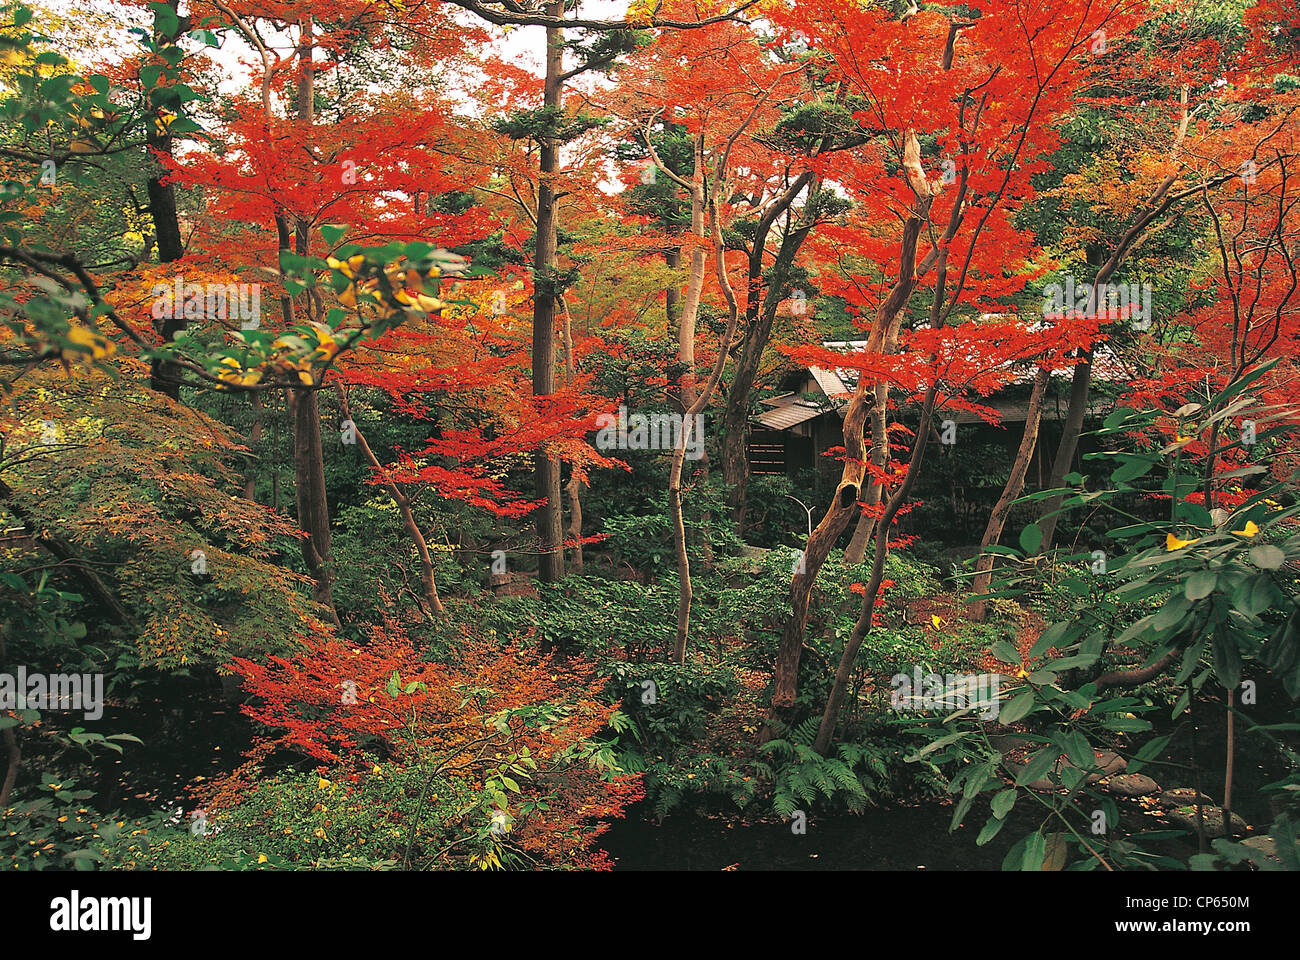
1250	530
936	620
1173	543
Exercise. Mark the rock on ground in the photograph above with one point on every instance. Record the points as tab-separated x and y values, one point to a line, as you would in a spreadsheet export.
1132	785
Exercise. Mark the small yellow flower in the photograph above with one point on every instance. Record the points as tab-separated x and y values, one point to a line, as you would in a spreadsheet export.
322	783
261	858
936	620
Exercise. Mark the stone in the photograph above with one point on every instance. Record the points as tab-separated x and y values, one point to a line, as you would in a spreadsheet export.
1265	845
1182	797
1132	785
1212	816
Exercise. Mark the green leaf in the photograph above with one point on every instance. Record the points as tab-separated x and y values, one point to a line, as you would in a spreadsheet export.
1039	764
1005	652
1131	469
1035	850
990	830
1003	801
333	232
165	21
1049	638
1200	584
1017	708
1031	538
1266	556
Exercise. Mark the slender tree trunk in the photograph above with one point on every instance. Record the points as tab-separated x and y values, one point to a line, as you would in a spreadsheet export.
690	414
403	502
164	376
1015	484
1065	448
254	438
694	283
304	407
672	295
767	288
1229	762
830	716
546	467
1156	205
574	487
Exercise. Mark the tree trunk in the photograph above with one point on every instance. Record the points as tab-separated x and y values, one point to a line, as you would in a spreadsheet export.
408	516
254	438
574	487
14	754
546	467
700	402
1015	484
164	375
309	487
826	731
844	504
830	715
304	406
766	291
1065	448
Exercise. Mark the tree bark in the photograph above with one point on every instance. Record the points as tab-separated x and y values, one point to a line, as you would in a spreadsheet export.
830	716
765	295
164	375
304	407
865	531
699	403
1065	448
13	751
309	488
254	438
844	503
574	487
1015	484
546	467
